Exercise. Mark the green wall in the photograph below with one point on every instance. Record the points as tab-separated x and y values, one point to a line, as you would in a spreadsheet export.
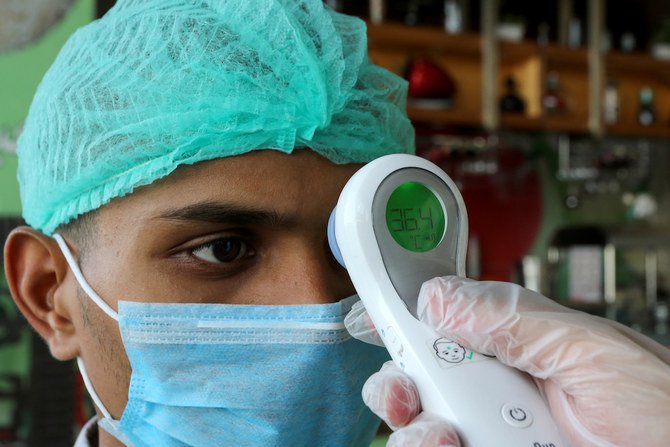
20	72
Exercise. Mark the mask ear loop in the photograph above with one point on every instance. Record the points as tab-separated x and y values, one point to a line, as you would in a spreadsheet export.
108	423
91	390
74	266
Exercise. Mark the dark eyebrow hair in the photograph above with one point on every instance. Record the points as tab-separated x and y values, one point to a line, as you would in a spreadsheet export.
214	212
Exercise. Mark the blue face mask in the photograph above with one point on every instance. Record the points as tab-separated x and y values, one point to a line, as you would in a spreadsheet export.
224	375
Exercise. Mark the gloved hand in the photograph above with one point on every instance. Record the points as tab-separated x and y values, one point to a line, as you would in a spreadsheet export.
605	383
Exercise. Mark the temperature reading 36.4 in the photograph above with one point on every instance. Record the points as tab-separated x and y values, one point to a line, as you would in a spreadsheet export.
411	219
418	222
415	217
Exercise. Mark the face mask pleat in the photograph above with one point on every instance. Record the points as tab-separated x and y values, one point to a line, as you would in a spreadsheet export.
181	324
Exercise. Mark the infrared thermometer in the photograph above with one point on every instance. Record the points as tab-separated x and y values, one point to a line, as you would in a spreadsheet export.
400	221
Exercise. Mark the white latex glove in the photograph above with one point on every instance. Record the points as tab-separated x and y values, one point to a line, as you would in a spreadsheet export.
605	383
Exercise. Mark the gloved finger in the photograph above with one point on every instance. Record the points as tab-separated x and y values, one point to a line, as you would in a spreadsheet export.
392	396
426	430
644	342
360	326
597	373
525	329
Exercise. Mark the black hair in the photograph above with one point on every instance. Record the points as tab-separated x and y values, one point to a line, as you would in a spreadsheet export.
81	231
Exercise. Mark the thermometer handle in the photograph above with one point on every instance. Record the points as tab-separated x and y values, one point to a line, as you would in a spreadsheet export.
487	402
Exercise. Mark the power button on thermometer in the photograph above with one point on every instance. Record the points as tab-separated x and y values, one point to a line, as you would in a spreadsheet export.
516	415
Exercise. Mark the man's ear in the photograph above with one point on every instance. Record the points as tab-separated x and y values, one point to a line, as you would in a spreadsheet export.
46	295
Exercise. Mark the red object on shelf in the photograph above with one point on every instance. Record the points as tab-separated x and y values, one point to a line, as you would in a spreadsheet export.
427	80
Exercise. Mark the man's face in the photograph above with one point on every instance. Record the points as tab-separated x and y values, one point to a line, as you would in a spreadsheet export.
249	229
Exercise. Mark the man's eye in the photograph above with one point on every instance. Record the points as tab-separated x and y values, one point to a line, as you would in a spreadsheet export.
223	250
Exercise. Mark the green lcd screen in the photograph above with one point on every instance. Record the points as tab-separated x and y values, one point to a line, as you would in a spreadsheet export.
415	217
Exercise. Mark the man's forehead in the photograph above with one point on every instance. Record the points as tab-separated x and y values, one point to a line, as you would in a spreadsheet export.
261	168
267	181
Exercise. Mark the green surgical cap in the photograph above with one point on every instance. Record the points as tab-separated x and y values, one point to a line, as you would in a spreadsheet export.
155	84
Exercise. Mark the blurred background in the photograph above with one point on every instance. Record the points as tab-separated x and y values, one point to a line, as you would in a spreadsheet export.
552	117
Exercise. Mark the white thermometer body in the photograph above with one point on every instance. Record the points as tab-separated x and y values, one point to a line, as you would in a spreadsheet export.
400	221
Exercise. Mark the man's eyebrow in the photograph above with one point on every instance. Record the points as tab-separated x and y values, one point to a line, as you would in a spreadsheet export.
214	212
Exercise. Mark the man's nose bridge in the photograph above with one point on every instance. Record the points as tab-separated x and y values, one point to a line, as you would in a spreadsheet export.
314	277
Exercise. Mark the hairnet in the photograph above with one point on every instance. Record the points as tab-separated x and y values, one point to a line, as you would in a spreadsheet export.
155	84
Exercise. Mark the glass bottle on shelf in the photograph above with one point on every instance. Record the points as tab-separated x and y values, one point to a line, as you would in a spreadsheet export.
412	13
553	101
646	115
574	32
377	11
421	12
628	42
511	102
543	34
453	16
611	103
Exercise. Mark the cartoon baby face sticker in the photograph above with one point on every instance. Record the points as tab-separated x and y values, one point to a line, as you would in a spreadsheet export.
449	350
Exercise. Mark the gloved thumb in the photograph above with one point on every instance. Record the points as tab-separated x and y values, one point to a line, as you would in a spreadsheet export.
392	396
360	326
426	430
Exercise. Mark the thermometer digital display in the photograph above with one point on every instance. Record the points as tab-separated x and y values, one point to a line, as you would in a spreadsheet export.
415	217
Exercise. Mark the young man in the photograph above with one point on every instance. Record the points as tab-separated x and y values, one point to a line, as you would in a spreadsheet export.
178	167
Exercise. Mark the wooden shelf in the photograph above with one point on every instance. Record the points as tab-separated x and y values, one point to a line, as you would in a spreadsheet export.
639	64
395	36
508	121
565	56
566	123
520	122
452	117
511	52
558	123
394	45
514	52
633	72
